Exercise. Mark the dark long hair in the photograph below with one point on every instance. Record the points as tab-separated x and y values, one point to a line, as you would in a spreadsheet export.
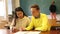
17	10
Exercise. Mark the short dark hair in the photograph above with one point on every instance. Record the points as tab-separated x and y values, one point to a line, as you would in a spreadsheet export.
35	6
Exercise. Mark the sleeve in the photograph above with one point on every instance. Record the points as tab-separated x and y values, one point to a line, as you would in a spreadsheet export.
28	21
55	8
30	25
44	24
12	23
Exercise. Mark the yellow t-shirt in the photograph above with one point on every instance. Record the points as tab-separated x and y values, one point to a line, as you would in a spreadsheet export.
39	24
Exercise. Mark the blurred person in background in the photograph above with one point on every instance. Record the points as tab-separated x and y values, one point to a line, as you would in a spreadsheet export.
52	9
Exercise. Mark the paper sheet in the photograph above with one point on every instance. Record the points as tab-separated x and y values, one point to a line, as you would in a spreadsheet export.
3	31
28	32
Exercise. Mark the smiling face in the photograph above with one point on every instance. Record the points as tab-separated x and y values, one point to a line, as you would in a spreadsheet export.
35	12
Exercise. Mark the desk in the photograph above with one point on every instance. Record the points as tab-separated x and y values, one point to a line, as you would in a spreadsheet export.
49	32
45	32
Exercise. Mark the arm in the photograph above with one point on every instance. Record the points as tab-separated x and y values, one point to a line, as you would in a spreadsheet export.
50	7
28	21
55	8
12	22
30	25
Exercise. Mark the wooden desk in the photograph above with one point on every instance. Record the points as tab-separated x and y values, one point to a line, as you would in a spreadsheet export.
50	32
53	22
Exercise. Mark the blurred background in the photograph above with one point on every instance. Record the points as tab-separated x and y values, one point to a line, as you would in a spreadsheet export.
7	9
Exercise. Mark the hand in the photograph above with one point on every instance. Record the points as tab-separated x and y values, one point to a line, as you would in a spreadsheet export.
15	30
22	28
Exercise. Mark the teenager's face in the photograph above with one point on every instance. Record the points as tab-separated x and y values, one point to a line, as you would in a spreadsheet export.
19	14
35	12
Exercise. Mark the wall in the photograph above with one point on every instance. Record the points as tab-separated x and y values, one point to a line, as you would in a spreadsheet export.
44	5
15	3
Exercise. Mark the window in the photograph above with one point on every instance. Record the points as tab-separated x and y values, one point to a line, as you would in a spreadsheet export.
9	6
3	5
2	8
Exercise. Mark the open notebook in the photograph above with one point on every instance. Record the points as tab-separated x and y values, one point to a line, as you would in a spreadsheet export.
28	32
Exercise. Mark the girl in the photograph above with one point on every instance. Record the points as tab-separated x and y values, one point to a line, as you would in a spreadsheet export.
21	20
